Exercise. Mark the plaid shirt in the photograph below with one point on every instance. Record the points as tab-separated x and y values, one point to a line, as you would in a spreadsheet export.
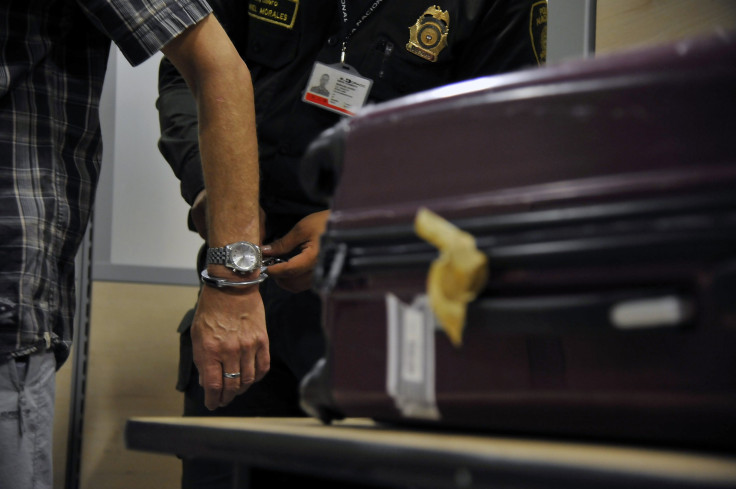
53	55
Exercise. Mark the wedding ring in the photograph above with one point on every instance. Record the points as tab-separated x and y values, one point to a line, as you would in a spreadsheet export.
228	375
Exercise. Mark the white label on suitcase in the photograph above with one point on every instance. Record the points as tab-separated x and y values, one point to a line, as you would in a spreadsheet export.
410	378
412	346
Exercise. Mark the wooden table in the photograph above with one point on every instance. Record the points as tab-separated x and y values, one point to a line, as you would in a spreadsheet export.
360	450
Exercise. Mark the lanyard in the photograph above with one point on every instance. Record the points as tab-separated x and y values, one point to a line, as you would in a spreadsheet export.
348	34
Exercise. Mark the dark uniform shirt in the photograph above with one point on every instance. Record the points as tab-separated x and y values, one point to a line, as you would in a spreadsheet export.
280	40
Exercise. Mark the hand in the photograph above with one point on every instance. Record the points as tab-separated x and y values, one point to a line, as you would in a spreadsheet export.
295	275
229	335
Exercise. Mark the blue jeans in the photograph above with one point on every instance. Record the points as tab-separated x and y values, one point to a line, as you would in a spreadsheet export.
27	390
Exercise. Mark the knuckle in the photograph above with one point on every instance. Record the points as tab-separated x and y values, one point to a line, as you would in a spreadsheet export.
231	388
247	344
253	342
213	385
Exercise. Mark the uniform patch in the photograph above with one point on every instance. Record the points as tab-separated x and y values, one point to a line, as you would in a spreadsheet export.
428	36
279	12
538	30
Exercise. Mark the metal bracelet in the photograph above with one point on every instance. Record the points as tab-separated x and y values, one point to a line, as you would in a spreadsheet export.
222	282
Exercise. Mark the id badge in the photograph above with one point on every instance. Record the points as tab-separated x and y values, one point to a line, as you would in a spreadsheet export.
338	88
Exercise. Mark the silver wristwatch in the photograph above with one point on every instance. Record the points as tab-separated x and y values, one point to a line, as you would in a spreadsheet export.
242	256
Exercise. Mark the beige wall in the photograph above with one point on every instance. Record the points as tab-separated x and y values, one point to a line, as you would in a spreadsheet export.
133	356
627	23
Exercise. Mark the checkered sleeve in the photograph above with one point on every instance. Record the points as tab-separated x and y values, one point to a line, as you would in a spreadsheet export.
142	27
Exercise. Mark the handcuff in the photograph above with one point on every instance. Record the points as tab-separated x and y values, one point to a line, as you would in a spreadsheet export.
219	282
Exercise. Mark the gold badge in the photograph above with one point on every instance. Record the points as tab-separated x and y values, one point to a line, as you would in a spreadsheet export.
429	35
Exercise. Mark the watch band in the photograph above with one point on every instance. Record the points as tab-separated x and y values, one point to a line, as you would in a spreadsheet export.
217	256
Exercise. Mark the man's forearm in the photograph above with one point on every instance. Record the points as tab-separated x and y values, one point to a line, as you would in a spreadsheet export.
221	85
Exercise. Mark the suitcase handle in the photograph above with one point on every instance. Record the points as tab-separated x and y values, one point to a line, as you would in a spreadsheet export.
331	262
584	313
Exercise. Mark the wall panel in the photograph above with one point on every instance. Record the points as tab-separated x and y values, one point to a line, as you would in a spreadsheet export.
627	23
133	358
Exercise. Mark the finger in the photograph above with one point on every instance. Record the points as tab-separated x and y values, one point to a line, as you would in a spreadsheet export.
247	366
296	275
281	269
212	383
232	376
297	265
263	362
283	246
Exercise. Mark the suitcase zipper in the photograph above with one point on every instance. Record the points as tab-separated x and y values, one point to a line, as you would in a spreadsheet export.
645	230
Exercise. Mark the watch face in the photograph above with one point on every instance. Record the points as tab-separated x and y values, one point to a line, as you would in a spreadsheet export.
244	257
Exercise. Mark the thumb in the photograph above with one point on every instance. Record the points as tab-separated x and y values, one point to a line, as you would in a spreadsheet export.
282	246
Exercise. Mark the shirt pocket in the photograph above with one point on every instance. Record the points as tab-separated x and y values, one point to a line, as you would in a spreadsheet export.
396	72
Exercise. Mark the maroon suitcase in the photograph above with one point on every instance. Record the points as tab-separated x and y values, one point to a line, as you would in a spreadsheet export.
603	193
